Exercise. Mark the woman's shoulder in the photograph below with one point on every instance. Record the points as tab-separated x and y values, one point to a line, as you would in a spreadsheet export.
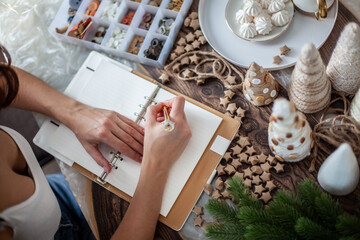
12	164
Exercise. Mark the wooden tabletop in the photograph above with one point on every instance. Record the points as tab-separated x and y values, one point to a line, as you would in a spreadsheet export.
110	209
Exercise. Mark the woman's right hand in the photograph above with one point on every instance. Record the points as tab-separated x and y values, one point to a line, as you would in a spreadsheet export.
162	148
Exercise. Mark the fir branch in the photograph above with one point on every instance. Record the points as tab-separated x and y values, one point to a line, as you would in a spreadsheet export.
242	194
348	225
328	210
222	211
284	213
309	191
251	215
225	232
310	230
268	232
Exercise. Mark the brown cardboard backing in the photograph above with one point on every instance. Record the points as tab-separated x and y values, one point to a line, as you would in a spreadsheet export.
195	184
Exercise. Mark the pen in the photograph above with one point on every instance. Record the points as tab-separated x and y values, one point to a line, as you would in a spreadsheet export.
168	125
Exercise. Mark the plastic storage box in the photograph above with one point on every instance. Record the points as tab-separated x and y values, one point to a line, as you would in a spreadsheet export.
132	30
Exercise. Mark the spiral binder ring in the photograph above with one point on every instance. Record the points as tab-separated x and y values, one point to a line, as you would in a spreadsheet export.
116	157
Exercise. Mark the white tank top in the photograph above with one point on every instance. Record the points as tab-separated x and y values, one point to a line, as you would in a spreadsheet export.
38	217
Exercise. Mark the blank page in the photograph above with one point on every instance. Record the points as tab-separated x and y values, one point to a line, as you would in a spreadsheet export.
101	92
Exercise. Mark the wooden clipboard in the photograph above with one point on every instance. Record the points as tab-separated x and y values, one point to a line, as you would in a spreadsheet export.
200	175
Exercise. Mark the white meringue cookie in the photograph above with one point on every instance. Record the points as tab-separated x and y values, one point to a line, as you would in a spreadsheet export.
280	18
265	3
276	5
243	17
248	30
263	14
252	8
263	26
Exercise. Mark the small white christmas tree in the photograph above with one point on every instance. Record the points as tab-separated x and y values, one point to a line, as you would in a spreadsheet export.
355	107
344	65
310	89
289	133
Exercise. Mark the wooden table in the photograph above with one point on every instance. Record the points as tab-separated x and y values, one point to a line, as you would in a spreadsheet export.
110	209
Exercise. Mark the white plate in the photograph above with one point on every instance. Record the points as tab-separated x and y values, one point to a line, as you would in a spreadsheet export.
230	16
240	52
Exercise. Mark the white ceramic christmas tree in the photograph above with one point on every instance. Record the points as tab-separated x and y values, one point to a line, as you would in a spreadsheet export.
259	86
355	107
339	174
310	89
290	135
344	65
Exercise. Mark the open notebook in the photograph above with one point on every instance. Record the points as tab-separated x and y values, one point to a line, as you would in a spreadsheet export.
110	87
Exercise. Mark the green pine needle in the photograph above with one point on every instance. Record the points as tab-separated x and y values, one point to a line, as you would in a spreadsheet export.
251	215
225	232
222	211
242	194
268	232
310	230
309	191
328	210
348	225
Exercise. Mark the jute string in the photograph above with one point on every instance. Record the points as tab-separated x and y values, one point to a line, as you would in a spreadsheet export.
221	69
331	132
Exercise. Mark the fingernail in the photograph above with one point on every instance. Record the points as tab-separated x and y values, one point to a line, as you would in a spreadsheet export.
141	159
107	170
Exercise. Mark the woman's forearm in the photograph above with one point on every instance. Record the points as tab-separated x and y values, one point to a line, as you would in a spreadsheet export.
141	217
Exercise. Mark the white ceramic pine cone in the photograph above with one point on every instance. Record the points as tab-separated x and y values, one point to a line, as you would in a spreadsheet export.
355	107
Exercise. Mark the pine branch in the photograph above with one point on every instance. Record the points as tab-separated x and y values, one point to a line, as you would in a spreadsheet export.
328	210
310	230
225	232
268	232
222	211
309	191
284	212
251	215
242	194
348	225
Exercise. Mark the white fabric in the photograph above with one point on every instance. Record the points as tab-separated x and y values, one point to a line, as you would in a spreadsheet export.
39	216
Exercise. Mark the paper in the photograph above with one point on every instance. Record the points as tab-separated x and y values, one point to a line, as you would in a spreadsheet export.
115	89
220	145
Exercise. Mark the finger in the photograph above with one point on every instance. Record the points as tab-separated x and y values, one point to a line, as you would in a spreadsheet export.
139	137
98	157
133	124
152	111
119	135
125	149
177	107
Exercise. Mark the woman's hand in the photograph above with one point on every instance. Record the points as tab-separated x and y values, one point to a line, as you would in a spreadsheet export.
162	148
93	126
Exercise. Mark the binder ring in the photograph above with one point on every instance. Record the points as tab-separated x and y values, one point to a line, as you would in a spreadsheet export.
150	99
138	115
141	105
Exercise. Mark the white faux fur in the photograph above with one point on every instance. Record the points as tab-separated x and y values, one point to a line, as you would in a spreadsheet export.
24	32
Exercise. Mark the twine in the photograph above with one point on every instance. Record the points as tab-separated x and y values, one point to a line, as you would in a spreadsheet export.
221	69
330	133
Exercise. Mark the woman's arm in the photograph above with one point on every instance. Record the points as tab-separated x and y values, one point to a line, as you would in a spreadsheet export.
91	125
161	150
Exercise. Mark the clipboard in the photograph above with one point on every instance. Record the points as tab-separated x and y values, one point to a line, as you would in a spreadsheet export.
193	188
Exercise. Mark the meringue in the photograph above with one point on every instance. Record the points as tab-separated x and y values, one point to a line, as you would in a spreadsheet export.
243	17
263	26
280	18
276	5
252	8
248	30
263	14
289	132
265	3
